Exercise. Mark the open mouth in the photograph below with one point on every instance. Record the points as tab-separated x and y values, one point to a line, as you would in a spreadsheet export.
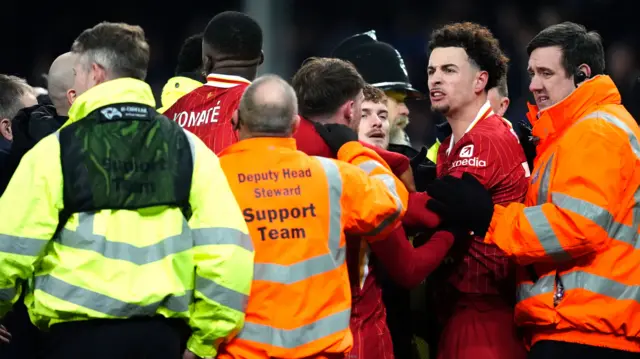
542	99
379	135
436	95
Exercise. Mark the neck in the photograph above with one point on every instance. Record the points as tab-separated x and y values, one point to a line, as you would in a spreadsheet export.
248	73
461	119
326	119
245	136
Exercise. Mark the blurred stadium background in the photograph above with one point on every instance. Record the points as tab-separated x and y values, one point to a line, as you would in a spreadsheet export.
34	33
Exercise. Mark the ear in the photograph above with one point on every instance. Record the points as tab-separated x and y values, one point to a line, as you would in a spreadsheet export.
586	69
504	105
347	112
207	64
71	96
481	81
5	129
234	119
295	124
261	57
98	73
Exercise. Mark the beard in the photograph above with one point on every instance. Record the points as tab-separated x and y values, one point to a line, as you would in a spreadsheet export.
441	109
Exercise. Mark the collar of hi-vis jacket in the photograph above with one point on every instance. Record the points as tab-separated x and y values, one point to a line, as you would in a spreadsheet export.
225	81
555	119
124	90
259	144
177	87
484	112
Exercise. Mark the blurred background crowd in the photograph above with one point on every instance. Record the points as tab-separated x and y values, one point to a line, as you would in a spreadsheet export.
34	34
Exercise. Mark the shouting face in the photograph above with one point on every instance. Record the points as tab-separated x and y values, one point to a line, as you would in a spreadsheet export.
453	79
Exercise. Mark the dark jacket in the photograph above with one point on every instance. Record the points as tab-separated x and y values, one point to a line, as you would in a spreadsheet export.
30	125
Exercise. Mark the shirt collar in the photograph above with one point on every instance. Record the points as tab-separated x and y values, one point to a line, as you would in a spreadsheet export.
225	81
484	112
260	144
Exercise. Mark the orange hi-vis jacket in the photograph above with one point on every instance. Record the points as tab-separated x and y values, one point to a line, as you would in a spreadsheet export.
578	228
298	209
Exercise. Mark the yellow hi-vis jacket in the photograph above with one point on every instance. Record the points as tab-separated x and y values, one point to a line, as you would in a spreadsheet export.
174	89
121	263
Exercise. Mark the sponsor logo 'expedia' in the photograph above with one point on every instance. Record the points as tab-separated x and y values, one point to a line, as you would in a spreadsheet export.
469	162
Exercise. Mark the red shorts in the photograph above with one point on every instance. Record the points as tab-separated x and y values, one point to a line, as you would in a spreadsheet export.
481	329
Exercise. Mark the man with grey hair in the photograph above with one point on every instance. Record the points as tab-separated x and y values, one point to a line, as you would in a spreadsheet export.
315	200
122	222
15	94
268	108
60	83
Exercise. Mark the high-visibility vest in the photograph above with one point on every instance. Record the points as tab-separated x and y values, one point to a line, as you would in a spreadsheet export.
297	208
577	233
122	176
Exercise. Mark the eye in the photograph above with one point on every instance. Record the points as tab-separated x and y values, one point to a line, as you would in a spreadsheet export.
449	70
547	74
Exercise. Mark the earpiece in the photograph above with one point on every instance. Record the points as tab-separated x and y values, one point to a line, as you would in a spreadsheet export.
579	77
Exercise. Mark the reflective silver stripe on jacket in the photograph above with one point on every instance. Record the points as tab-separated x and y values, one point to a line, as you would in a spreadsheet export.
390	183
598	215
106	304
290	274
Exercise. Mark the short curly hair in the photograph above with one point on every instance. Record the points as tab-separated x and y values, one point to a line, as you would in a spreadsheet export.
373	94
479	43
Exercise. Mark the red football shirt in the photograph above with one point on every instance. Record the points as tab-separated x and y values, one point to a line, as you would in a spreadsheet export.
207	110
491	152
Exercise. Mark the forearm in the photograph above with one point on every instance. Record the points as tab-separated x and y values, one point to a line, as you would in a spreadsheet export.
409	266
545	233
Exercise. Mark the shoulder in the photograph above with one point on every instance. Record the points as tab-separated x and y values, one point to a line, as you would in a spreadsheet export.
493	129
199	150
191	99
608	126
47	148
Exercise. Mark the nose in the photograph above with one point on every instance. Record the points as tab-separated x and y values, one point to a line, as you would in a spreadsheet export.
403	110
433	79
536	84
377	122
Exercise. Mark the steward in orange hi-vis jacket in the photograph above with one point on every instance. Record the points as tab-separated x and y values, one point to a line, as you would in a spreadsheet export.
576	236
298	208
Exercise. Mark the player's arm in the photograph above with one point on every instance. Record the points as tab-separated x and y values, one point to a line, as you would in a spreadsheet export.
223	256
409	266
29	209
582	198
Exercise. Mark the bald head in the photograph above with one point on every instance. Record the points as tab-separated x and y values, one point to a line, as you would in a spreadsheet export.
269	107
60	81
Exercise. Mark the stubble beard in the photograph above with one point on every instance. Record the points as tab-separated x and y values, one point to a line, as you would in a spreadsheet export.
441	109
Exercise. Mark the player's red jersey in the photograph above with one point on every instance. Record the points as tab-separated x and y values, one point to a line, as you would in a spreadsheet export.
207	110
489	150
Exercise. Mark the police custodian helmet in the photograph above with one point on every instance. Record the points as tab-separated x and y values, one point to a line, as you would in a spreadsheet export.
379	63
